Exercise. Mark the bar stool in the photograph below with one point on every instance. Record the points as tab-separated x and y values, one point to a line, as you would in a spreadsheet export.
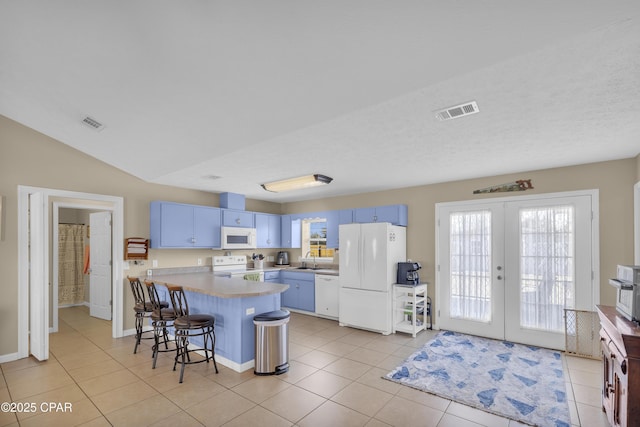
142	308
187	326
161	317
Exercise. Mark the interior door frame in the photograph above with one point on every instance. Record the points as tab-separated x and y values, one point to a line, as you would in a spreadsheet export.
96	201
595	235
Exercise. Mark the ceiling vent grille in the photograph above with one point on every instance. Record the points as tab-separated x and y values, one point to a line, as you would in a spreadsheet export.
92	123
457	111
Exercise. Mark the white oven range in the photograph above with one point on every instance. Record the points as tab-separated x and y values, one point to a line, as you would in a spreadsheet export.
234	266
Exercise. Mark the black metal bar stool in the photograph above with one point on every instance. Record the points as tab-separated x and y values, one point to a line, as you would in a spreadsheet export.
161	317
187	326
142	308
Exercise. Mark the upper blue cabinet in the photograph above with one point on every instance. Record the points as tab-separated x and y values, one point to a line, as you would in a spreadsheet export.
268	230
176	225
395	214
334	220
234	218
291	232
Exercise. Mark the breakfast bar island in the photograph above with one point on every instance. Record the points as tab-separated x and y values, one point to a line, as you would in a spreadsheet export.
233	302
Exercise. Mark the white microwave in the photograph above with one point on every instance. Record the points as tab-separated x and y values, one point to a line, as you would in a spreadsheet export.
238	238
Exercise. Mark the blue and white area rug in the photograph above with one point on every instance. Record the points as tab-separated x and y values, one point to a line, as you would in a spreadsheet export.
516	381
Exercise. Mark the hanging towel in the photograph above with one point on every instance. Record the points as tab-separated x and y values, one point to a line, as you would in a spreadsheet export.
87	265
254	277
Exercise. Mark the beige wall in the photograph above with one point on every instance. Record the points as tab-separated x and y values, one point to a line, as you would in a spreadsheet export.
30	158
614	180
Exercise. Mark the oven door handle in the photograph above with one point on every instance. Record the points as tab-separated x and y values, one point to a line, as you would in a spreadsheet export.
625	286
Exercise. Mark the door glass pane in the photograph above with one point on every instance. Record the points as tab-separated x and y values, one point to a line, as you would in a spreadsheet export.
470	265
547	284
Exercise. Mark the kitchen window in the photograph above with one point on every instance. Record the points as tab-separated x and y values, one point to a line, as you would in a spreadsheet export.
314	241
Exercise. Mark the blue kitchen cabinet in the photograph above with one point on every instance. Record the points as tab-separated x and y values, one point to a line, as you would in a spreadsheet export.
395	214
301	292
291	232
177	225
334	220
234	218
272	276
268	230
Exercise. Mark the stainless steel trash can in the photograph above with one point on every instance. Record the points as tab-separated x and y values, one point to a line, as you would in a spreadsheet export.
272	342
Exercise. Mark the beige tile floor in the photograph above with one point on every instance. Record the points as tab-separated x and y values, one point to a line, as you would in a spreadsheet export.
334	380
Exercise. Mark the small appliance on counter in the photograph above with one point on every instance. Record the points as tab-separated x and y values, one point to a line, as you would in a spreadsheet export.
408	273
627	284
282	258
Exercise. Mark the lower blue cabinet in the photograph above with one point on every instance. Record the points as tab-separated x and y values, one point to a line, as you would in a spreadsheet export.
272	276
301	294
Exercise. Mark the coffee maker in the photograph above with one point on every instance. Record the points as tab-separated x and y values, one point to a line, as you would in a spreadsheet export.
282	258
408	273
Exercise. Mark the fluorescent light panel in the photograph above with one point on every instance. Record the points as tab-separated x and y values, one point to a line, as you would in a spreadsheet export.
297	183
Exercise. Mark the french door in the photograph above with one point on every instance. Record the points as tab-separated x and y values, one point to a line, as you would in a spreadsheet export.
508	268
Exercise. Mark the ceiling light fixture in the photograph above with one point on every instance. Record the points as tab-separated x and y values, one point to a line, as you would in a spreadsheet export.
297	183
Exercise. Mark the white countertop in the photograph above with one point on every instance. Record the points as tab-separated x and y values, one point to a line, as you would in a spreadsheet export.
222	287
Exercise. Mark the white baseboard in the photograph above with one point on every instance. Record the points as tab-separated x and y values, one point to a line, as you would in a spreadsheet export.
4	358
238	367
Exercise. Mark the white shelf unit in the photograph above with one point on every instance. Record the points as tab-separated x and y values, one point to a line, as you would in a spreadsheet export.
410	308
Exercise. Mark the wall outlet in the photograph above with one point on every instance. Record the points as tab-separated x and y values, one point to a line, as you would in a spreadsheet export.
199	261
149	272
270	258
125	265
250	310
155	263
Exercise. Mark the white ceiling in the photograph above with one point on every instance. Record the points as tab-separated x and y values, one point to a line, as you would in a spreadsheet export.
253	91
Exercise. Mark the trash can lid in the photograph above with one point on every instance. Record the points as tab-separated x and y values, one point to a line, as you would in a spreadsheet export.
272	315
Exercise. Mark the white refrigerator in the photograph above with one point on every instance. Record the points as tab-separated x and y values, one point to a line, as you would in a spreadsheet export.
369	256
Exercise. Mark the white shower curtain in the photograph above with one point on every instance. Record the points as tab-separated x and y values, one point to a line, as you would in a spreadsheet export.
70	264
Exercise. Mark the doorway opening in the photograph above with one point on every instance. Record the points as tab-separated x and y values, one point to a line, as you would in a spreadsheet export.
508	267
35	218
79	278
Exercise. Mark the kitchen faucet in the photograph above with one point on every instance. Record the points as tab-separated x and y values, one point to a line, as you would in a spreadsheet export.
314	259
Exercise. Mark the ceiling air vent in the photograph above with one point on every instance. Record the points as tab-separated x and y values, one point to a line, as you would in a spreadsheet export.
457	111
92	123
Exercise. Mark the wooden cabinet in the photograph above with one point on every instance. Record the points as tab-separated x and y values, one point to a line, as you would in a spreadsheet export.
327	290
620	344
394	214
301	292
177	225
268	229
234	218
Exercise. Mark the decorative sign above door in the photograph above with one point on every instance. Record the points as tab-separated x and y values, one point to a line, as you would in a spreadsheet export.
519	185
